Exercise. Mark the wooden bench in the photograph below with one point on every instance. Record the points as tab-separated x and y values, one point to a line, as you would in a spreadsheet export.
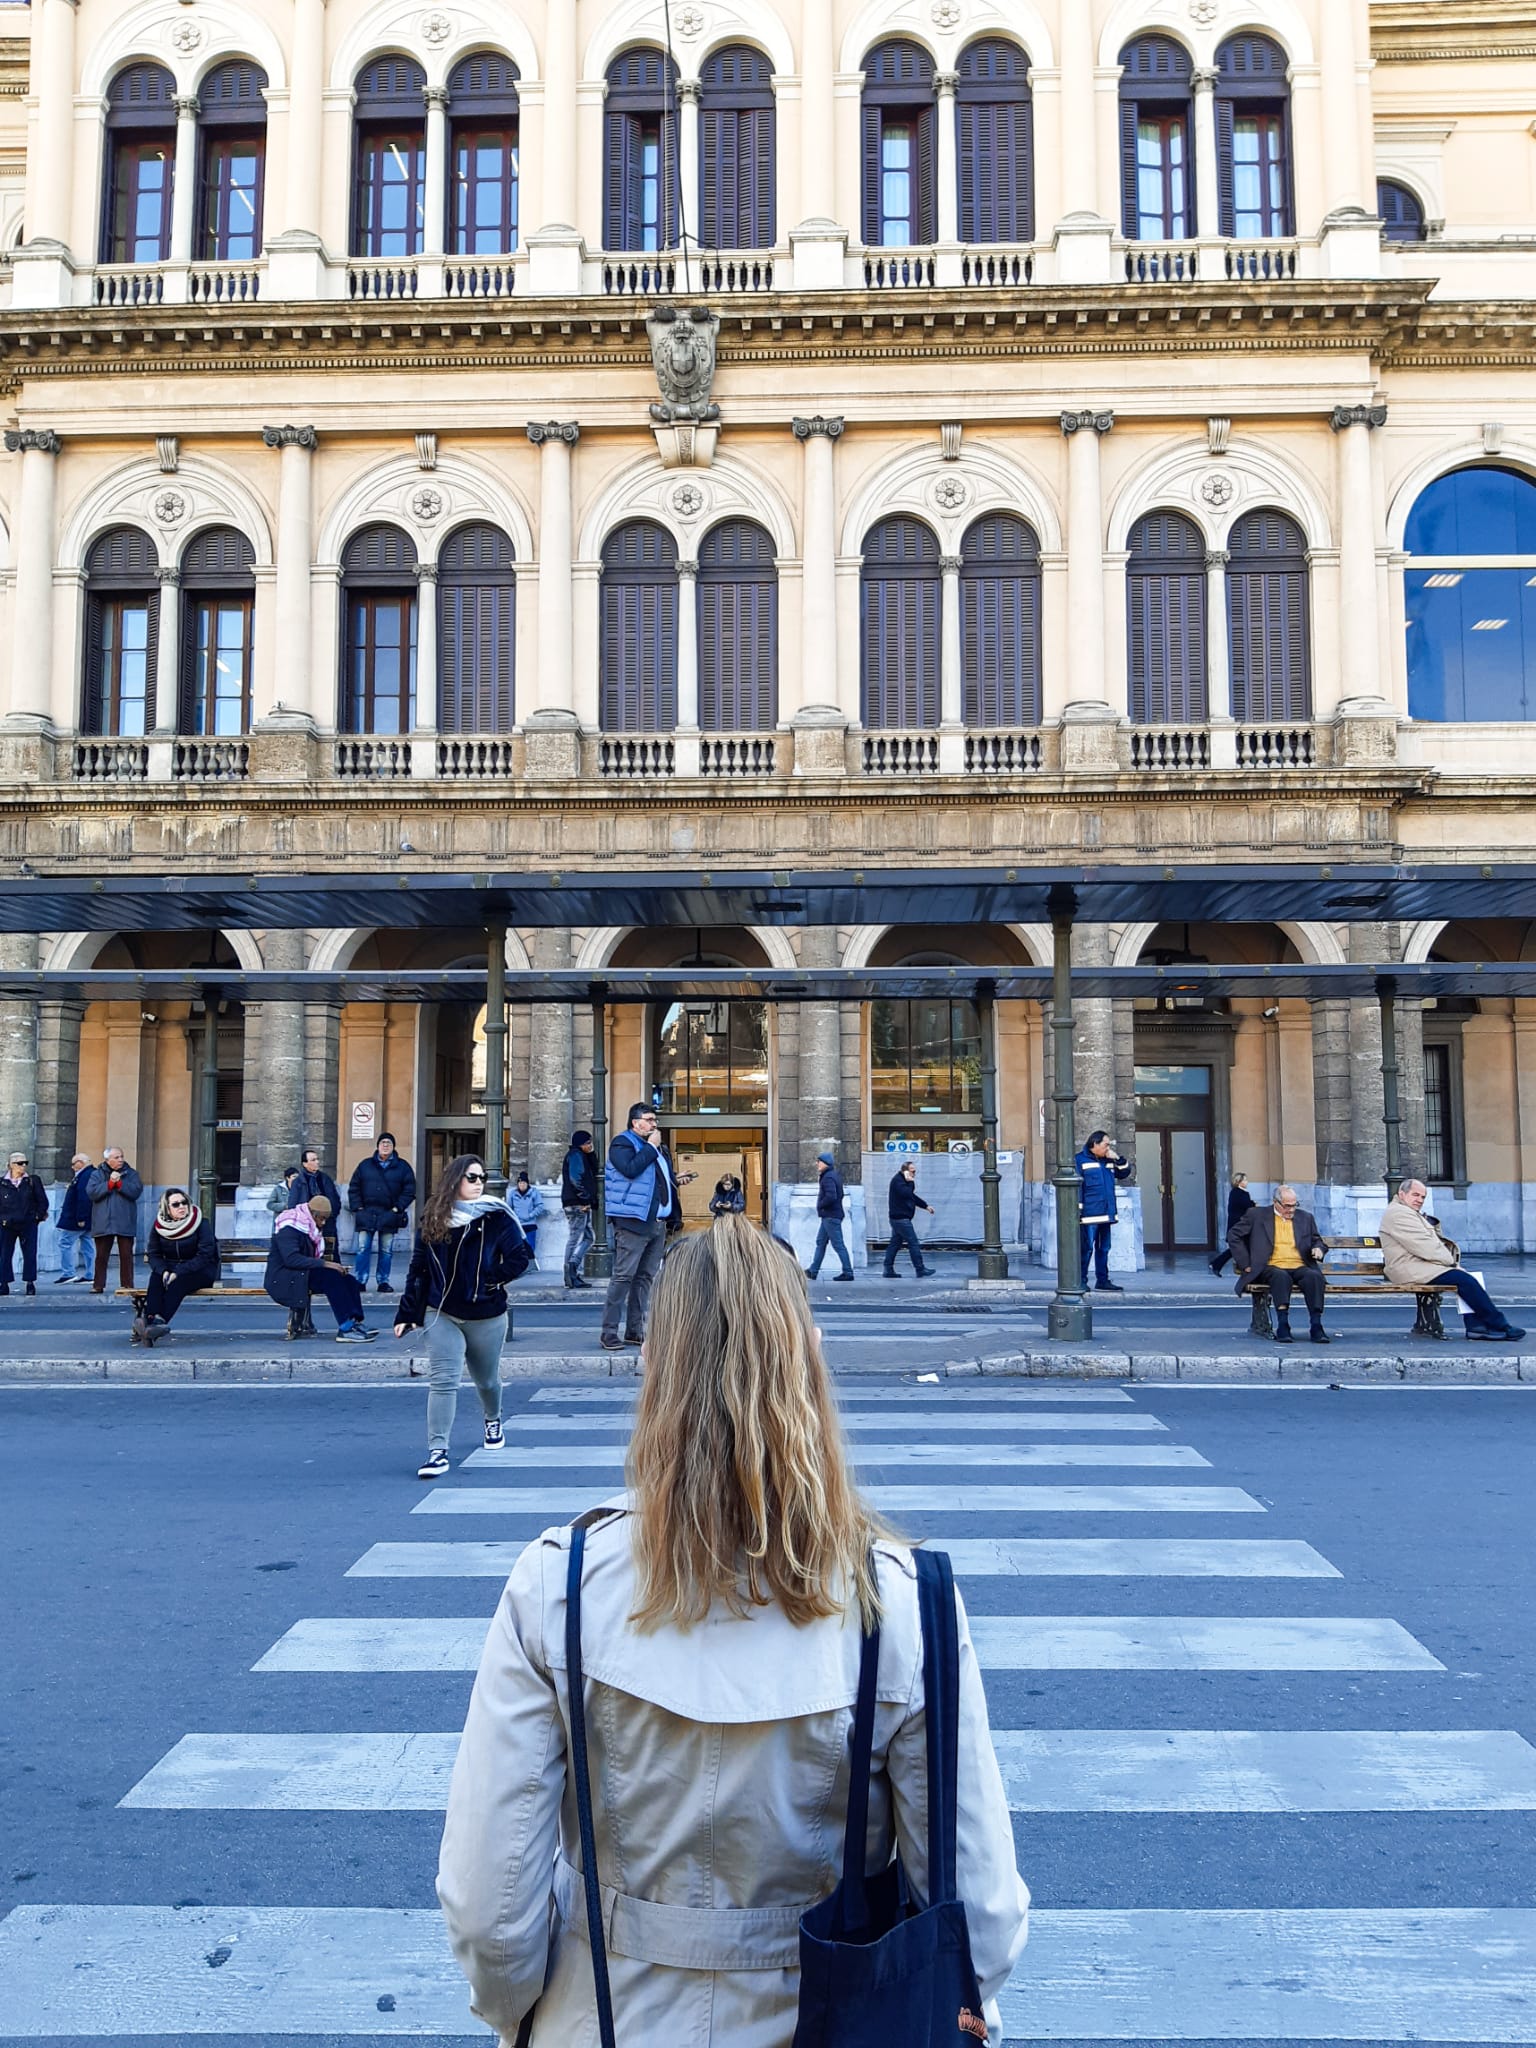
1364	1282
138	1295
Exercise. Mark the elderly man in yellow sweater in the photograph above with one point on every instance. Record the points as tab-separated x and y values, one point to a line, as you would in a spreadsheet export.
1282	1248
1416	1255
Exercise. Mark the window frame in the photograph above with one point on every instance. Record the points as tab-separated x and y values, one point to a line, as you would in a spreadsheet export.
1261	591
738	178
493	591
637	113
1253	82
994	117
1396	219
390	110
483	103
1444	1035
985	584
1434	569
227	123
141	116
112	588
622	606
743	630
910	101
1147	565
1157	87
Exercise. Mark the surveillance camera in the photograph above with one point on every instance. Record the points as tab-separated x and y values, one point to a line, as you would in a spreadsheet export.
1273	1010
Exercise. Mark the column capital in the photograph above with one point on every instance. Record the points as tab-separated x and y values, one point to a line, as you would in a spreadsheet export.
436	96
426	572
170	576
1344	416
540	431
33	440
1217	558
950	565
690	91
188	104
818	424
1074	422
289	437
687	566
1204	80
945	82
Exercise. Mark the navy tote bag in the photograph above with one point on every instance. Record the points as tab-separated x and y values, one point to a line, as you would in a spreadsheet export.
876	1970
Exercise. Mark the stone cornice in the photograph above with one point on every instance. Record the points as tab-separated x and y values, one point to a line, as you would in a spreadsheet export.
1047	321
1433	31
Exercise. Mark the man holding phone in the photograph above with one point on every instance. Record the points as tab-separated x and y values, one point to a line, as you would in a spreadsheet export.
1101	1167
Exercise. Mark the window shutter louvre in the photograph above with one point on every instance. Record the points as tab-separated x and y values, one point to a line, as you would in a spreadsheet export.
995	136
1268	616
900	593
1130	212
477	631
760	212
1226	203
1166	620
927	176
637	656
1000	623
738	629
870	126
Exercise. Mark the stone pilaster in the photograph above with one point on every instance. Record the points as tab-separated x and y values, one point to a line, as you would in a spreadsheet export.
273	1095
550	1119
1368	943
58	1086
820	1093
1330	1094
18	1051
322	1080
1093	1044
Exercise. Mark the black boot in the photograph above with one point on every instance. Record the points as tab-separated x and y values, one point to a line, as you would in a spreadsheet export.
1283	1329
1319	1335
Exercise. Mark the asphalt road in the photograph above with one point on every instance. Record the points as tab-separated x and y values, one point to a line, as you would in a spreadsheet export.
1343	1591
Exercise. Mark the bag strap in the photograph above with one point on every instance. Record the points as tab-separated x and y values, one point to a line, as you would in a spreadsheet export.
574	1680
941	1691
861	1743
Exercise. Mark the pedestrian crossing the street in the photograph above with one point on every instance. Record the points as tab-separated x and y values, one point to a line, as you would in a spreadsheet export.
1266	1610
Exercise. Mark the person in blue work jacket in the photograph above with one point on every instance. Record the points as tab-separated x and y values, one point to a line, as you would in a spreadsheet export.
639	1196
1101	1166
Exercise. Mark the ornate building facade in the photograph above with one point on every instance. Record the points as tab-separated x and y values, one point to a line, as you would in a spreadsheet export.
1121	446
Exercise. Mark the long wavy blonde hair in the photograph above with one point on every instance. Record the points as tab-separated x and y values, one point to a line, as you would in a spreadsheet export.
737	1464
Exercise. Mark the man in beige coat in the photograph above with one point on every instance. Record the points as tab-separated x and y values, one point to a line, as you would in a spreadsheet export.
1416	1255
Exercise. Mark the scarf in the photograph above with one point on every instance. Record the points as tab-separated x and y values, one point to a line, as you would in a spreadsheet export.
300	1219
173	1227
465	1213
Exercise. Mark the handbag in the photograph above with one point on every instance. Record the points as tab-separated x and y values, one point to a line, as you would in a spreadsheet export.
578	1711
876	1970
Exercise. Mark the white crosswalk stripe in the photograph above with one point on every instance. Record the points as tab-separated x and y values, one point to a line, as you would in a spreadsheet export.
1443	1975
850	1394
1076	1557
859	1424
577	1457
557	1501
1004	1642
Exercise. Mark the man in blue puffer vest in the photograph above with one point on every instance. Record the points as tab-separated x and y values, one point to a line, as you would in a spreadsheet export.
1101	1166
639	1197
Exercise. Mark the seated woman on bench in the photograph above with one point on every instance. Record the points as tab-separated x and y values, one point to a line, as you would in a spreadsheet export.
297	1268
183	1258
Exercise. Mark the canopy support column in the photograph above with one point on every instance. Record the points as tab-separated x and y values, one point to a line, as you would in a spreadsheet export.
1386	996
1070	1319
208	1119
599	1261
992	1261
496	1061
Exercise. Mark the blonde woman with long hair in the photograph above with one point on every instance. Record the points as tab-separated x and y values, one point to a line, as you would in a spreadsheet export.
723	1607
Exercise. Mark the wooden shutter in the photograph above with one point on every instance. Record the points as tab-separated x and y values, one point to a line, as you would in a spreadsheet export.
900	592
232	95
1268	620
142	96
1226	200
898	80
870	124
1130	207
1000	623
1166	620
995	135
1402	215
737	150
388	88
379	555
926	229
477	631
1251	69
759	210
738	630
122	564
638	648
484	85
1156	74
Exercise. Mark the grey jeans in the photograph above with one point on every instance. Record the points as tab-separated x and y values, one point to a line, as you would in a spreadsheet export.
636	1262
578	1241
451	1345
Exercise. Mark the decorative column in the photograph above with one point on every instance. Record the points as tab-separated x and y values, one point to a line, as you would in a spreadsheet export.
295	546
599	1261
1346	189
44	266
822	720
819	241
184	182
1360	694
686	731
1070	1315
992	1260
1088	721
167	696
30	708
1207	220
690	192
1082	236
951	670
551	730
496	1060
946	84
554	243
18	1052
435	180
426	648
549	1062
275	1087
296	255
821	1055
58	1086
1218	661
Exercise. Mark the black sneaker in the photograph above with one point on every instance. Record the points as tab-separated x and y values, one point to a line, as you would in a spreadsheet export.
154	1329
64	1280
31	1287
384	1288
1283	1336
356	1333
842	1276
1320	1335
1107	1287
495	1437
433	1466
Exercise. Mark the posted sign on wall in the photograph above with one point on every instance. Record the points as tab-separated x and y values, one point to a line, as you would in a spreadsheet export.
365	1118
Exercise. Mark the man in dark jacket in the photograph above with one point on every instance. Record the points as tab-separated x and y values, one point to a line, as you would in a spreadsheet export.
296	1269
114	1188
74	1225
23	1205
829	1217
308	1182
903	1206
1281	1247
578	1198
639	1195
381	1191
1101	1166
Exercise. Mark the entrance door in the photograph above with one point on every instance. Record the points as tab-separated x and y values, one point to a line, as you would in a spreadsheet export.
708	1154
1174	1163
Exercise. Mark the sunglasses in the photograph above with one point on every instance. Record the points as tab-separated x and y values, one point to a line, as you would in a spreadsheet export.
474	1176
176	1203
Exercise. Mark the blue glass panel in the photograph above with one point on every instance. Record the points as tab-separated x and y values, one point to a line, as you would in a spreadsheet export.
1483	510
1472	645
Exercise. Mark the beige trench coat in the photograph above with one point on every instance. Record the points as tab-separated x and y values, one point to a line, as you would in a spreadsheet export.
719	1764
1413	1252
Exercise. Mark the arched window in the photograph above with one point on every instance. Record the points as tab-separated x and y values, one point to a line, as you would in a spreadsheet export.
736	151
1402	217
1157	157
232	151
996	139
476	631
141	165
638	652
483	150
1471	596
900	146
389	185
1253	139
1000	622
378	581
900	603
218	599
1165	607
640	152
711	1062
122	629
738	629
925	1069
1268	619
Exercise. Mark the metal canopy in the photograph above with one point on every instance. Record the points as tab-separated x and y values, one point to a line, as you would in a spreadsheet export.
1253	892
1180	985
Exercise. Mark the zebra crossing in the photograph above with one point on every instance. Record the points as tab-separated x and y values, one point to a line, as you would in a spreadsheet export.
1201	1972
